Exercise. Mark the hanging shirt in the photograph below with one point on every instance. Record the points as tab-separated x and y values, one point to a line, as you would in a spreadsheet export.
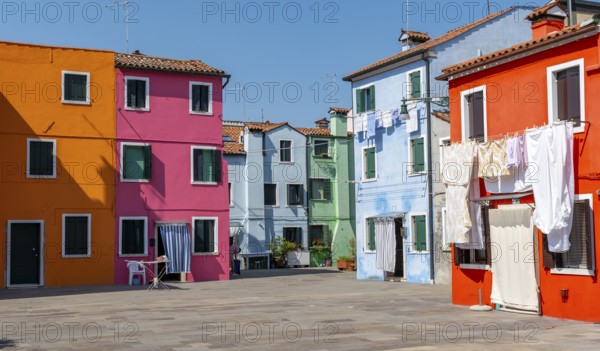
514	152
492	159
412	124
371	125
395	115
551	150
358	124
386	120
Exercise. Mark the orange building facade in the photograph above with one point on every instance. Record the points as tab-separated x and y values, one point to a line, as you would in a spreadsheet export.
520	88
58	166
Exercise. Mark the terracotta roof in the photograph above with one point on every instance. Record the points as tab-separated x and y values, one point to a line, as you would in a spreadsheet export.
314	131
427	45
515	49
418	36
263	127
151	63
542	10
233	147
339	110
443	115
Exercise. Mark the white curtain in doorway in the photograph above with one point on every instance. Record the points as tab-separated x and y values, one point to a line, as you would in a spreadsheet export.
513	266
177	242
385	241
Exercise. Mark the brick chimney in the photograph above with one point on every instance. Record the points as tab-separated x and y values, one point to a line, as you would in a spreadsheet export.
323	123
547	19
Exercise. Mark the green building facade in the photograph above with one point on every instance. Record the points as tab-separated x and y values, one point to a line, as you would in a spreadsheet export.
331	189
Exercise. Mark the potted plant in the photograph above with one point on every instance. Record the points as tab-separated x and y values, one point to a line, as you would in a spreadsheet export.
319	253
280	248
347	263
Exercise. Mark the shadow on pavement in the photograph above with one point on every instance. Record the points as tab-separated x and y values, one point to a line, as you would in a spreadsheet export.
25	293
282	272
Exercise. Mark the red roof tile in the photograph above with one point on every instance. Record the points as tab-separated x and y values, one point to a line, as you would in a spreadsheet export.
151	63
427	45
515	49
233	147
314	131
443	115
417	36
339	110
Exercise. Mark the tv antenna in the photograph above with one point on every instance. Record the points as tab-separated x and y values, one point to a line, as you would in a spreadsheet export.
125	5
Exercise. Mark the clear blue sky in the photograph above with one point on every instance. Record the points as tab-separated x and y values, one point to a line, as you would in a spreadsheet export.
290	55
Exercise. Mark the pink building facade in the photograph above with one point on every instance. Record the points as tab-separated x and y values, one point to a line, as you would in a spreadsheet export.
169	162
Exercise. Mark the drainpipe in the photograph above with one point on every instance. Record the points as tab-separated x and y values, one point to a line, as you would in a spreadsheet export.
570	12
227	78
430	196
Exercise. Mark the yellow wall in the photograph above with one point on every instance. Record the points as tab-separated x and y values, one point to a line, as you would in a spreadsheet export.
31	107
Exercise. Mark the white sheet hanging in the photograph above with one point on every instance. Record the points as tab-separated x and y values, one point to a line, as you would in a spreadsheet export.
518	181
551	150
513	268
385	241
412	124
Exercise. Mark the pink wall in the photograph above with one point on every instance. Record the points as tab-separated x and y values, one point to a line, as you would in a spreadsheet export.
169	196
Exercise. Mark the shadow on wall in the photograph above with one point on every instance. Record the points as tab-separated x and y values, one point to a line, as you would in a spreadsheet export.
84	184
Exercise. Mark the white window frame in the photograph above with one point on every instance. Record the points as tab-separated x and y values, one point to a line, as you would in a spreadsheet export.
133	218
465	124
147	107
198	147
363	87
42	264
33	176
216	230
328	146
231	190
287	202
366	237
310	187
276	195
410	156
87	93
291	151
364	164
122	164
409	85
89	234
210	99
551	83
412	239
582	271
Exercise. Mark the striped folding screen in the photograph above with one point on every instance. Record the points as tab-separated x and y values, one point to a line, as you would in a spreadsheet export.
178	248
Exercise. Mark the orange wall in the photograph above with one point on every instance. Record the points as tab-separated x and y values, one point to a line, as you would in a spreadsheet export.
30	106
516	100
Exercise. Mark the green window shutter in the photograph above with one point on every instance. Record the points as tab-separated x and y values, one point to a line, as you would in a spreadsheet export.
420	228
372	243
327	189
148	162
217	165
418	154
360	103
372	98
415	84
370	172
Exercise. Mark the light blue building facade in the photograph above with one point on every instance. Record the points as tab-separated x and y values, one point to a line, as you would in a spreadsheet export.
391	164
267	175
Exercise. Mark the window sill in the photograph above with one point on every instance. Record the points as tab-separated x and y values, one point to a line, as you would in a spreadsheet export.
295	206
141	109
29	176
272	206
133	255
204	183
475	266
286	162
370	180
414	252
195	113
370	252
77	256
415	174
135	180
69	102
205	254
320	200
572	271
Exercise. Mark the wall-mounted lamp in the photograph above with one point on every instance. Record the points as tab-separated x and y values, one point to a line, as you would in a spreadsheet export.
404	111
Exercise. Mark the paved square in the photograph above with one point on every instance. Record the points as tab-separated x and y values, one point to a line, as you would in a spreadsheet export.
316	309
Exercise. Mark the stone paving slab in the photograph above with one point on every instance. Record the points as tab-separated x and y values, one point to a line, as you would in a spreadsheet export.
316	309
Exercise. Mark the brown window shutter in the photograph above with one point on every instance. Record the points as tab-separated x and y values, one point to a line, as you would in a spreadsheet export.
457	254
486	234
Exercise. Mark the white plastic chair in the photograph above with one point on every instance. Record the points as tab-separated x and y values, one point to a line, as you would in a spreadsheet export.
136	268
